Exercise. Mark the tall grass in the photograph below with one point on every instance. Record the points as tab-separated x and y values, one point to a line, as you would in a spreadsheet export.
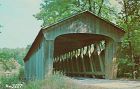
12	81
33	85
9	81
55	81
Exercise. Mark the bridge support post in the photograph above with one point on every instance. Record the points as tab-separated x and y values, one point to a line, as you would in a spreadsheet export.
110	59
49	50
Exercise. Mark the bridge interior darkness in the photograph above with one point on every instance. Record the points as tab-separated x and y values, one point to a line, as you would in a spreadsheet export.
80	54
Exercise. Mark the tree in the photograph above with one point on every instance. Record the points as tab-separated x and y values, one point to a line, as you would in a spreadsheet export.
129	19
4	58
9	56
53	10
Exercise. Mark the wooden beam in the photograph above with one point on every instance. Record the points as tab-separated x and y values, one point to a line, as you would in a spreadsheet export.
72	65
91	64
68	66
84	67
92	58
49	50
77	64
62	63
88	73
100	59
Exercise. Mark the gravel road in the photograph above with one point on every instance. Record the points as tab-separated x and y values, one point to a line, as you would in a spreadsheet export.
90	83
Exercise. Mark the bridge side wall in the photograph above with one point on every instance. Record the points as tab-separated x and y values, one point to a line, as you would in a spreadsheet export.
35	66
48	52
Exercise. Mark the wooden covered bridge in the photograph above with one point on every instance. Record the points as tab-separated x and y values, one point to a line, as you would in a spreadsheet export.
81	45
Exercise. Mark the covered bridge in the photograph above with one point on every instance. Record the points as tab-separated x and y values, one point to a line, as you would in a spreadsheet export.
81	45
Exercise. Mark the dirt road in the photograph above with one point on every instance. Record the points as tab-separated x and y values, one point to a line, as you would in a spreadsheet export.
90	83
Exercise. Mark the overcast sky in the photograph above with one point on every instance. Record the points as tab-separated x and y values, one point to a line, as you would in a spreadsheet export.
19	26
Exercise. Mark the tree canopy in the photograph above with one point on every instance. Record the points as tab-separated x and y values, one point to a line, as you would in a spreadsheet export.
53	10
129	19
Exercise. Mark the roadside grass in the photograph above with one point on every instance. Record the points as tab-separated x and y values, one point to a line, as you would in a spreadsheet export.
58	81
55	81
33	85
12	80
9	81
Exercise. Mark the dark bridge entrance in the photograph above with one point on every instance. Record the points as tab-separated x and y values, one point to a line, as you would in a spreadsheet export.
80	54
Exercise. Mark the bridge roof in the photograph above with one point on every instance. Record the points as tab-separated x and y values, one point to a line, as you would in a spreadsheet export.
121	30
40	35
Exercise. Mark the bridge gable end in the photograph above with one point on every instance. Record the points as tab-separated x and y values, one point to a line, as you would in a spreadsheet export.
85	22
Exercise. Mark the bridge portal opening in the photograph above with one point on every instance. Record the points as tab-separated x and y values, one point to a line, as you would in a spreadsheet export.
80	54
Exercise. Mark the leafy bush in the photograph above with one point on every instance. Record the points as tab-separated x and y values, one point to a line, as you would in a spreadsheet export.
125	68
8	65
21	74
8	81
12	80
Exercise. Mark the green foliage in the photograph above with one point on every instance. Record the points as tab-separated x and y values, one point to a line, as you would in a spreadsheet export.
5	55
33	85
53	10
129	19
8	81
10	57
8	65
9	54
5	66
21	74
12	80
125	68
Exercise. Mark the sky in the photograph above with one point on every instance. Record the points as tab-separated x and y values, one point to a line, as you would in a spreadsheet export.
19	26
